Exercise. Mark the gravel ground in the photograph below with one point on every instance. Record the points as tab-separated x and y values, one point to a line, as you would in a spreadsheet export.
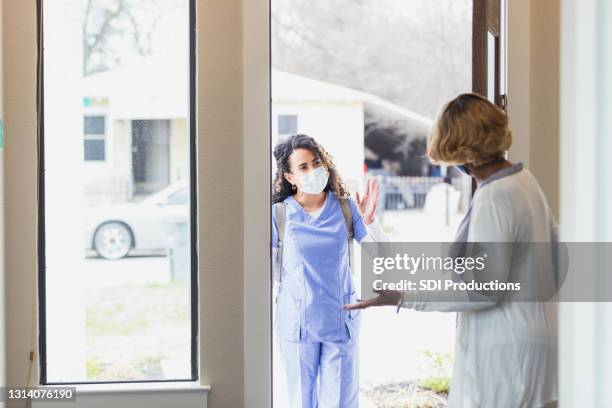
404	395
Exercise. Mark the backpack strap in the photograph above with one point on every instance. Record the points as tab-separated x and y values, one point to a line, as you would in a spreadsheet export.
345	204
280	215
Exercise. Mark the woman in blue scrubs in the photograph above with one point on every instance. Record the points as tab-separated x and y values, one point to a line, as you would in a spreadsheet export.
318	340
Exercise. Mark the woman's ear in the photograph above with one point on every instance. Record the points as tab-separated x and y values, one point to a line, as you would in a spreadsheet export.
289	177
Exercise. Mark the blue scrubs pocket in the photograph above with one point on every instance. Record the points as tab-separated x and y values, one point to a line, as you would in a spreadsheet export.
351	314
288	318
353	317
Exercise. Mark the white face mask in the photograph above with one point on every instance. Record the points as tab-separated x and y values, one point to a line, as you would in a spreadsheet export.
314	181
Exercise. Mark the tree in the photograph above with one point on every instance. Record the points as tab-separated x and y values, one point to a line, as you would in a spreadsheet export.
415	53
115	29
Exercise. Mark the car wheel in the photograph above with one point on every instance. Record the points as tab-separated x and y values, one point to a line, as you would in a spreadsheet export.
113	240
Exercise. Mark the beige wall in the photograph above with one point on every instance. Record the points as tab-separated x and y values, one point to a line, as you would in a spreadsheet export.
256	213
19	74
221	199
533	90
2	271
545	82
519	80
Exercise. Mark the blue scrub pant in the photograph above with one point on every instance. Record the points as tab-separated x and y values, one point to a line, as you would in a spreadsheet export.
321	374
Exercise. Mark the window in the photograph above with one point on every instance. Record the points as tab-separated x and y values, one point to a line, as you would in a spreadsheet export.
117	268
95	138
287	124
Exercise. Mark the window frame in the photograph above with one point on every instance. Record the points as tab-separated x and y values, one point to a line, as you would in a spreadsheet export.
91	136
488	19
193	182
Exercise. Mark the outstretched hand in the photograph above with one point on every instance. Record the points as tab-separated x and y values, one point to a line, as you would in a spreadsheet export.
367	203
384	298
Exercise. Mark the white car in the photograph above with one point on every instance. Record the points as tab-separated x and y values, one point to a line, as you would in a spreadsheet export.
115	230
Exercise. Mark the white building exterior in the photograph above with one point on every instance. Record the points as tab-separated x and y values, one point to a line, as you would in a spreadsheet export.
146	134
154	110
335	116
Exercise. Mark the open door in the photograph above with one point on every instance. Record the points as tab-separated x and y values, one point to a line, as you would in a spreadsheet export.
367	82
489	50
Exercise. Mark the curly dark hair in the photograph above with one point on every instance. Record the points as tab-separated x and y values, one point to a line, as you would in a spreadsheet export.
282	151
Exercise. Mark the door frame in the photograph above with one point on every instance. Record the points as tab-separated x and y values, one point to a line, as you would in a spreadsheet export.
257	314
488	18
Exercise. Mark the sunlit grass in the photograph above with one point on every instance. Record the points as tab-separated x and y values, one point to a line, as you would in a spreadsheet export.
131	329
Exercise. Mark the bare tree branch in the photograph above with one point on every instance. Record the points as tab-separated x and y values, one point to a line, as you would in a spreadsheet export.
107	24
100	36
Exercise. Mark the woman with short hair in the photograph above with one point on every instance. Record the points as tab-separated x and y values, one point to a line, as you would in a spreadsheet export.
506	351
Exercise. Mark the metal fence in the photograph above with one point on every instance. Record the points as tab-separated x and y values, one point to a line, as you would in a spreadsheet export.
404	193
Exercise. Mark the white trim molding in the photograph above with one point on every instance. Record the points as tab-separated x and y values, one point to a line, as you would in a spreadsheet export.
137	395
586	147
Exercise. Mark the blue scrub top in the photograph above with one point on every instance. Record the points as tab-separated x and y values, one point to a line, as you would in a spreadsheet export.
315	278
